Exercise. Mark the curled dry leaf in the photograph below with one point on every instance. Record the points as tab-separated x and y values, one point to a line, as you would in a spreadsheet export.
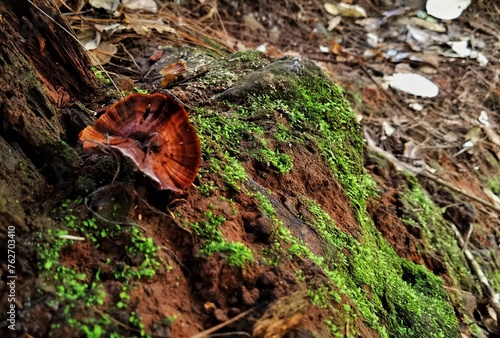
103	53
154	132
90	39
342	9
333	22
141	5
110	5
171	71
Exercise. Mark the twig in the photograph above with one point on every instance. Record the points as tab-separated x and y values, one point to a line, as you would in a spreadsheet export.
230	334
117	322
211	330
472	261
131	57
402	165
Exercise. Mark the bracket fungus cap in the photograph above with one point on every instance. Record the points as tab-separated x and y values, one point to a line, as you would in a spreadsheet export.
155	133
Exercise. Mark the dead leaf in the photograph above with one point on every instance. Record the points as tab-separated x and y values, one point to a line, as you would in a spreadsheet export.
493	198
492	135
483	118
333	22
343	9
388	129
103	53
156	55
171	71
141	5
370	24
335	47
412	151
110	5
431	59
252	22
412	83
446	9
450	137
144	26
432	26
90	39
474	135
331	8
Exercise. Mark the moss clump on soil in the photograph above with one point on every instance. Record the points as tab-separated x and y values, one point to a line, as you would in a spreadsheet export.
79	291
405	299
235	253
420	211
393	295
493	183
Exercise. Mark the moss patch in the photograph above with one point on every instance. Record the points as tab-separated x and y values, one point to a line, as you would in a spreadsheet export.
394	296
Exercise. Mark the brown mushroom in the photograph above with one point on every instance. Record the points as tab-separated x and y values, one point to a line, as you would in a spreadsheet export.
155	133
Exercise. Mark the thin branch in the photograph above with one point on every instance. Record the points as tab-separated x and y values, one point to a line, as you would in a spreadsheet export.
208	332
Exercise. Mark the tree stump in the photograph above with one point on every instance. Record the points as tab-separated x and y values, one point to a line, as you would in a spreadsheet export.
43	70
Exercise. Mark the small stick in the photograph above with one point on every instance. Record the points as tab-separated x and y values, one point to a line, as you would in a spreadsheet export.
402	165
211	330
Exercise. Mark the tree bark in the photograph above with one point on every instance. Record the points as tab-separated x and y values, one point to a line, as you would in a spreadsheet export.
43	71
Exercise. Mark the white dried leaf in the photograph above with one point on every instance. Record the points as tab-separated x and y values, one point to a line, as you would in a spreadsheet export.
334	22
141	5
372	39
370	24
324	49
90	39
351	11
446	9
412	150
492	135
450	137
103	53
461	48
432	26
414	84
388	129
483	118
331	8
483	60
416	106
110	5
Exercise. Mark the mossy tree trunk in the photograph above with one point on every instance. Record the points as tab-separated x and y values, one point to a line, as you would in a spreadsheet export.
43	71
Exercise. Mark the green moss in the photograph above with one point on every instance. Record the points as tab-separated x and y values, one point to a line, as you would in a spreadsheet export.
103	79
280	161
494	185
85	185
77	292
393	296
421	212
235	253
141	91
